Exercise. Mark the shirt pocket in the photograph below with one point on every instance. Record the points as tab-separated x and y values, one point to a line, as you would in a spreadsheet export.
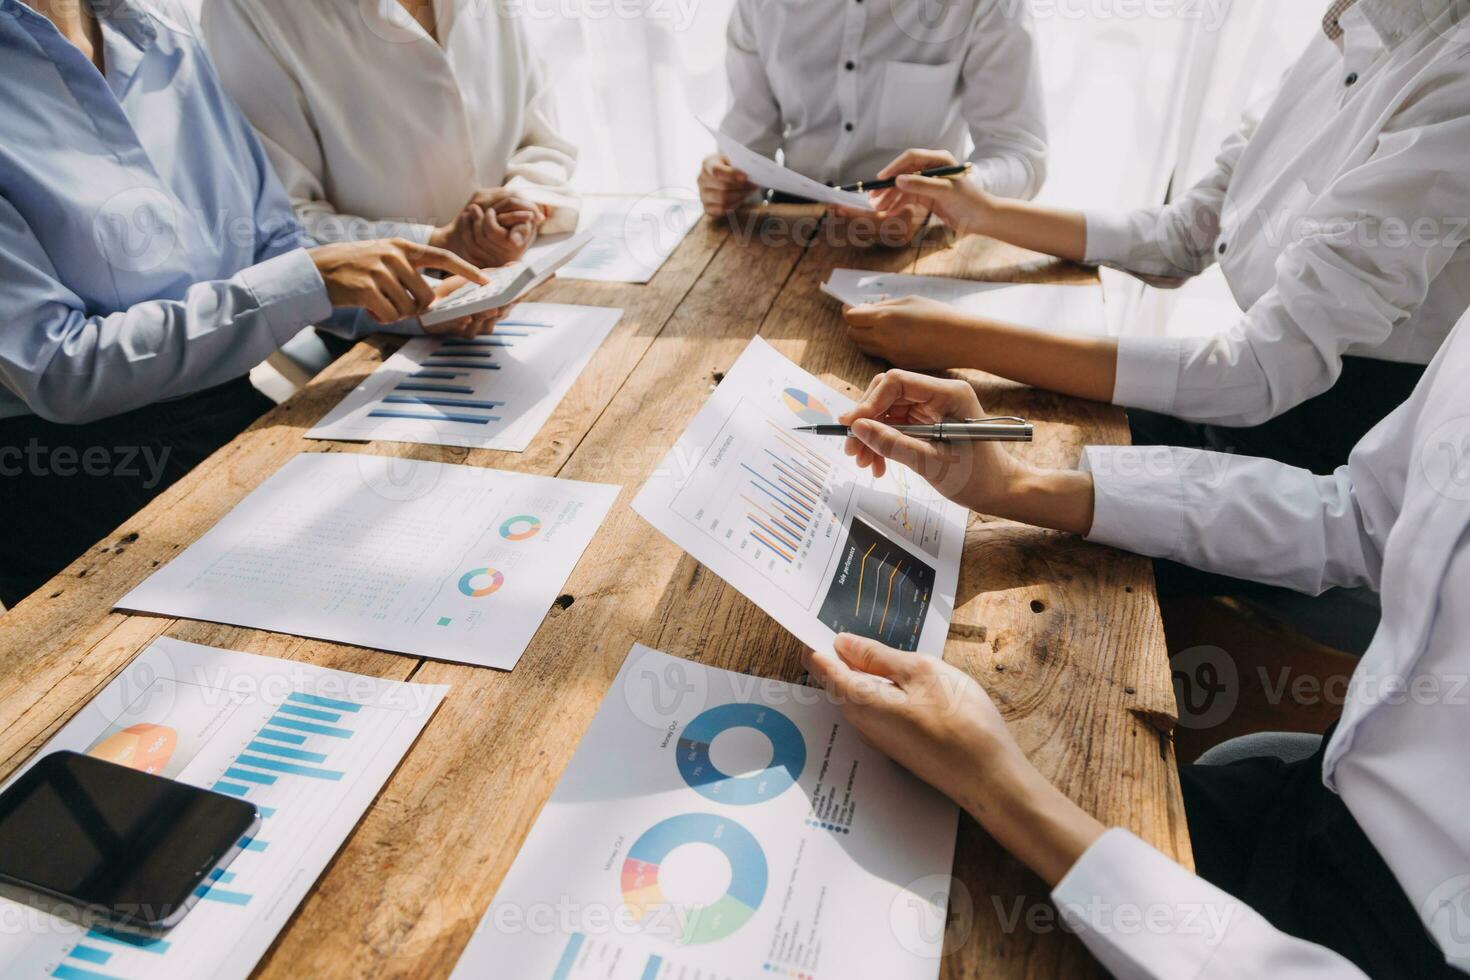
916	103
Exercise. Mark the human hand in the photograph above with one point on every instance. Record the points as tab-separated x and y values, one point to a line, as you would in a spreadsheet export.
959	203
494	228
910	332
929	717
939	723
473	325
979	475
381	276
722	188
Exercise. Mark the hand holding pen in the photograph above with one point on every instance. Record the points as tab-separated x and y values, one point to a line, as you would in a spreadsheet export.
971	472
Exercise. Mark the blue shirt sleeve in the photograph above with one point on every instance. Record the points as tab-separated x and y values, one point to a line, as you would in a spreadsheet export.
70	366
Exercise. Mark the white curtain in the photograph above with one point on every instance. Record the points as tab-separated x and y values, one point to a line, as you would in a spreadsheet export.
1139	95
633	76
1234	62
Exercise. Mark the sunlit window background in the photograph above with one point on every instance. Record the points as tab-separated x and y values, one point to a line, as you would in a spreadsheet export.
1140	94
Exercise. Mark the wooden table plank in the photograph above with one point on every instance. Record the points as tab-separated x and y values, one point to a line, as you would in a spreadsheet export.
1049	623
55	648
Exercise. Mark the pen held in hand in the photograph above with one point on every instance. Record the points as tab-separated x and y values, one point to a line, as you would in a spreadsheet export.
953	172
1001	429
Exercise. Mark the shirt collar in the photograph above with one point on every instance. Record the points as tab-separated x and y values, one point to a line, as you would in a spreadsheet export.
130	18
1394	20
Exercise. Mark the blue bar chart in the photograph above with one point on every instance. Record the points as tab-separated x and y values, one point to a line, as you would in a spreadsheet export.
487	392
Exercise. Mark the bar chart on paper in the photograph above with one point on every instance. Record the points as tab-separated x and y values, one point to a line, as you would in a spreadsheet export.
259	729
788	519
489	392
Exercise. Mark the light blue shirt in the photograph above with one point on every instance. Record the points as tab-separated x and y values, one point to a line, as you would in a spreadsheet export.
147	251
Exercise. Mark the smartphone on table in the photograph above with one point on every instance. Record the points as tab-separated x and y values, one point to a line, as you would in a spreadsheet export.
115	845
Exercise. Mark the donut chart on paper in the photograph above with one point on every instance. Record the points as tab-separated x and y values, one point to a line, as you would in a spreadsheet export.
520	527
707	923
806	408
788	755
480	582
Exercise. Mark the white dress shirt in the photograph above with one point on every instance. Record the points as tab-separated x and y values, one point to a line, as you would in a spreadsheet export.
378	130
1396	518
1340	219
842	87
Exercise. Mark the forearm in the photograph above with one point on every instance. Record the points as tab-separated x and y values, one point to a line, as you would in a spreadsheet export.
1041	228
1030	817
1059	499
217	331
1072	364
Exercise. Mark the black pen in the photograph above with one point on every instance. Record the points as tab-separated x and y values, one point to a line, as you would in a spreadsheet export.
1005	428
949	173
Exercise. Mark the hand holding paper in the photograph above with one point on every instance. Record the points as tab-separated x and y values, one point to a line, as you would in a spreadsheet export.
766	172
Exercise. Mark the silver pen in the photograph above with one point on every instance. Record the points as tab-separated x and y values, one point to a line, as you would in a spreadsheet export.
1000	428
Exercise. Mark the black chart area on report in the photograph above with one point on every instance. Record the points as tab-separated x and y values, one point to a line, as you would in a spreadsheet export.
878	590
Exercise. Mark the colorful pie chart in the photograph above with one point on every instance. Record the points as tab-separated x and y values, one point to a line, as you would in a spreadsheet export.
807	408
788	754
520	527
706	923
480	582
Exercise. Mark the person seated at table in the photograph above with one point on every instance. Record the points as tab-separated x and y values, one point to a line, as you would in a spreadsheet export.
429	120
1338	219
841	88
1357	858
148	259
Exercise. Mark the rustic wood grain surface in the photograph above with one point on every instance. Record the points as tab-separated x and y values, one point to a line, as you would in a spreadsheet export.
1065	635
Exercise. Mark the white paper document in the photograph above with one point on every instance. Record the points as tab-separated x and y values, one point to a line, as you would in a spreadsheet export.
631	236
310	747
796	525
490	392
712	826
765	172
1070	309
452	562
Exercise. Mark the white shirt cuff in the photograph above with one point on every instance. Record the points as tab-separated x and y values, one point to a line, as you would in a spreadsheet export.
289	291
1148	373
1138	498
1109	238
1140	913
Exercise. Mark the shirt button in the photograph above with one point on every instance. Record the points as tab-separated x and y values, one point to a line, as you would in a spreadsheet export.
850	65
1222	249
847	126
1351	80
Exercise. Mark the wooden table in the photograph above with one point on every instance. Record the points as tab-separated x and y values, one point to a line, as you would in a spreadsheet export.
1065	635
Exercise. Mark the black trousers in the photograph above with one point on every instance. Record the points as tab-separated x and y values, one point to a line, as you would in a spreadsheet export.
64	487
1269	833
1316	435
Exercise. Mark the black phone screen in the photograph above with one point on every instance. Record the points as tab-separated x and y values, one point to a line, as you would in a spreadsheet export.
127	845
